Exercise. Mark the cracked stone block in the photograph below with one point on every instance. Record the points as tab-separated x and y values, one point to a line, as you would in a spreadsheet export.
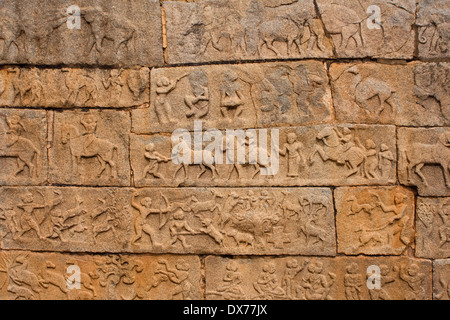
68	87
116	32
374	220
392	94
55	276
236	96
441	279
433	22
90	148
433	227
312	278
366	28
306	156
423	159
223	30
23	153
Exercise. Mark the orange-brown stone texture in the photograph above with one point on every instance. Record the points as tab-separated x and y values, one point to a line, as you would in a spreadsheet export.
315	137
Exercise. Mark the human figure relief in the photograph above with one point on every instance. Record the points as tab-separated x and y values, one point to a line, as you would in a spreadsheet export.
385	161
385	279
414	278
141	226
292	270
316	286
29	215
340	148
444	229
179	276
88	145
114	83
154	158
20	148
400	210
163	108
231	288
293	151
268	285
179	228
353	282
231	99
11	223
198	101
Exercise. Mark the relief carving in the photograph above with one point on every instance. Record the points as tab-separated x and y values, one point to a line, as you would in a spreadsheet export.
374	220
73	87
433	227
359	30
236	96
59	219
124	36
233	221
247	30
90	148
441	280
424	161
321	155
433	21
301	278
22	155
46	276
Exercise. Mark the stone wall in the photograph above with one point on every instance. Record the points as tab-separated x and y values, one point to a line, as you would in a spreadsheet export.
357	92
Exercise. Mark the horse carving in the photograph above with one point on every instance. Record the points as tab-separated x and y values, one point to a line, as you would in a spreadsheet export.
340	149
421	154
182	148
15	146
84	146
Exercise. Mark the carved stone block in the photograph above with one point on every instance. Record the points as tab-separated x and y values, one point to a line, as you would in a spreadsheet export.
234	221
377	93
308	156
51	33
441	279
433	22
90	148
243	30
220	221
433	227
53	276
364	28
318	278
236	96
23	152
424	159
66	219
68	87
374	221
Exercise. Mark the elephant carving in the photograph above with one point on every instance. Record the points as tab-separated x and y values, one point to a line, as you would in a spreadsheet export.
439	36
